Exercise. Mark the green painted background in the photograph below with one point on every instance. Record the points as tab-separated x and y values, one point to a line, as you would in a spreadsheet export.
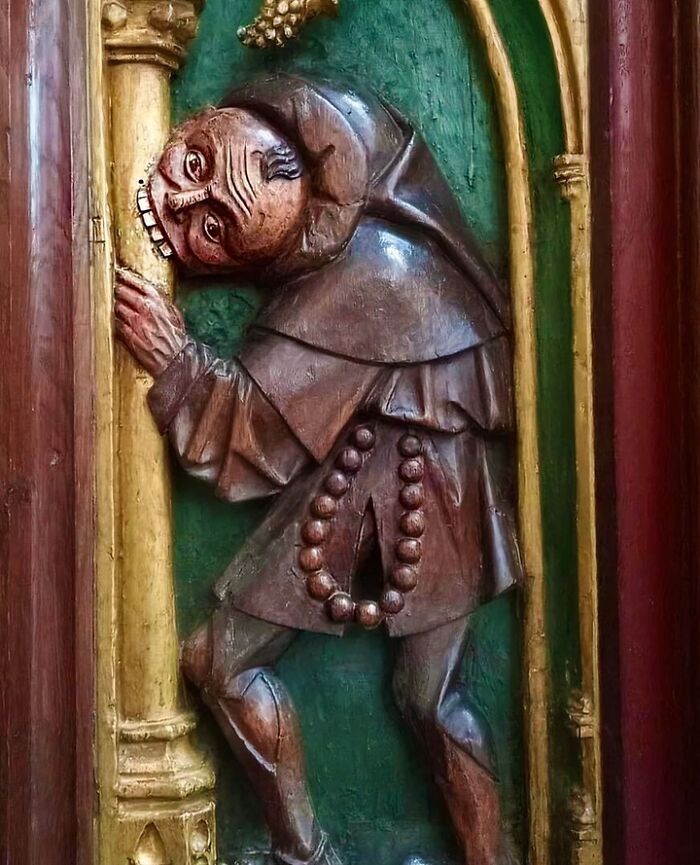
370	783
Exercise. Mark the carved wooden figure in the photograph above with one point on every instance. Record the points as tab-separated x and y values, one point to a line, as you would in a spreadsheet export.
372	399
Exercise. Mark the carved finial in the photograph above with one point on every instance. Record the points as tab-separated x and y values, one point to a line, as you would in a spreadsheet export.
153	31
583	828
176	17
581	715
281	20
114	16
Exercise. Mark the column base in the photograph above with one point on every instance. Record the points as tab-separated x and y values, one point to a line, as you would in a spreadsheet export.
165	808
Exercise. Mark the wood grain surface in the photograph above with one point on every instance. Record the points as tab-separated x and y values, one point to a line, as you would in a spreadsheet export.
45	591
646	576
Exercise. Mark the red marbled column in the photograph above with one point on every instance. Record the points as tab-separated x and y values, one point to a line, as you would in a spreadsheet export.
645	575
45	427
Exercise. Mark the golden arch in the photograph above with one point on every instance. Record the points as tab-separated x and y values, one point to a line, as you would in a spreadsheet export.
522	278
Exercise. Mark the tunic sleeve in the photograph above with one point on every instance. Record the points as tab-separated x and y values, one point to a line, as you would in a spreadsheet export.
222	428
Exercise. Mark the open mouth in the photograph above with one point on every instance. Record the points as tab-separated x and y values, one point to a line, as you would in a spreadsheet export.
143	204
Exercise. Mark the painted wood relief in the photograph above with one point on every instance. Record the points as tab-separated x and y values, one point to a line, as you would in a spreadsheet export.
371	398
369	359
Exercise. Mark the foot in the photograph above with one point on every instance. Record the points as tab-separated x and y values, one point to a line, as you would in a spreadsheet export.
508	856
325	855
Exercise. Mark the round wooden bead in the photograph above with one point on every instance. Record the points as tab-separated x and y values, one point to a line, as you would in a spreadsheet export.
324	507
410	446
408	551
364	438
311	558
412	524
391	602
321	585
404	578
411	471
368	614
349	459
340	607
314	532
411	496
337	484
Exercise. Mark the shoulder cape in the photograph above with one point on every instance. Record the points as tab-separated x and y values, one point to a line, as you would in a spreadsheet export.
386	270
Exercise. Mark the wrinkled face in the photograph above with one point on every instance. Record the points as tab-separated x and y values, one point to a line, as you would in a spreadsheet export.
228	193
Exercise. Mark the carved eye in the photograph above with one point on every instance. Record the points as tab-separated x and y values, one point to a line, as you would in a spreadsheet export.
212	227
195	165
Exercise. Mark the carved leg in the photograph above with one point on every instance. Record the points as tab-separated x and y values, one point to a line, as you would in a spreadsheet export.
439	709
229	660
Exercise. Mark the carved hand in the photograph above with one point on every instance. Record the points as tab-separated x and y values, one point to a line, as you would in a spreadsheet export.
150	326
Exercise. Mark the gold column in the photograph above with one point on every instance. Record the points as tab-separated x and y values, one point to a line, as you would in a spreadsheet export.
567	21
164	811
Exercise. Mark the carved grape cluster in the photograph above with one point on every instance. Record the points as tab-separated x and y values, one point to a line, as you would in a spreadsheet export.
280	20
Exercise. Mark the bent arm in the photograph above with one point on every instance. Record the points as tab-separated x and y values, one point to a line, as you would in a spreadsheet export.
222	428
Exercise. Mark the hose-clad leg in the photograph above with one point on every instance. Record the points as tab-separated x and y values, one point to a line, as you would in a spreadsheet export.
441	712
229	659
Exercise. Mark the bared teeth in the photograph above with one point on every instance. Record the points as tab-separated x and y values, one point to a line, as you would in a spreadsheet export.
144	207
142	201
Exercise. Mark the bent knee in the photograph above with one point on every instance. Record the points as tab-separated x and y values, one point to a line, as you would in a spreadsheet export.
452	715
461	719
263	712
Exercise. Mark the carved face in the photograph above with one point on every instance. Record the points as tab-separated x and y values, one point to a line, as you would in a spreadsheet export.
228	193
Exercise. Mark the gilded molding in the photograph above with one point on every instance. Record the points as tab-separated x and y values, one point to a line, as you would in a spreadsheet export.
522	272
151	31
567	21
571	172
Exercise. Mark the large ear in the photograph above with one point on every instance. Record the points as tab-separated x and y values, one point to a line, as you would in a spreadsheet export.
282	161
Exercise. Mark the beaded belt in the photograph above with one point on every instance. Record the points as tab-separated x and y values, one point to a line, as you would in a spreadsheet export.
320	583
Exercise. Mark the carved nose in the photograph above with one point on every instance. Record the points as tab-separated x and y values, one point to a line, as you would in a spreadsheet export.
181	200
